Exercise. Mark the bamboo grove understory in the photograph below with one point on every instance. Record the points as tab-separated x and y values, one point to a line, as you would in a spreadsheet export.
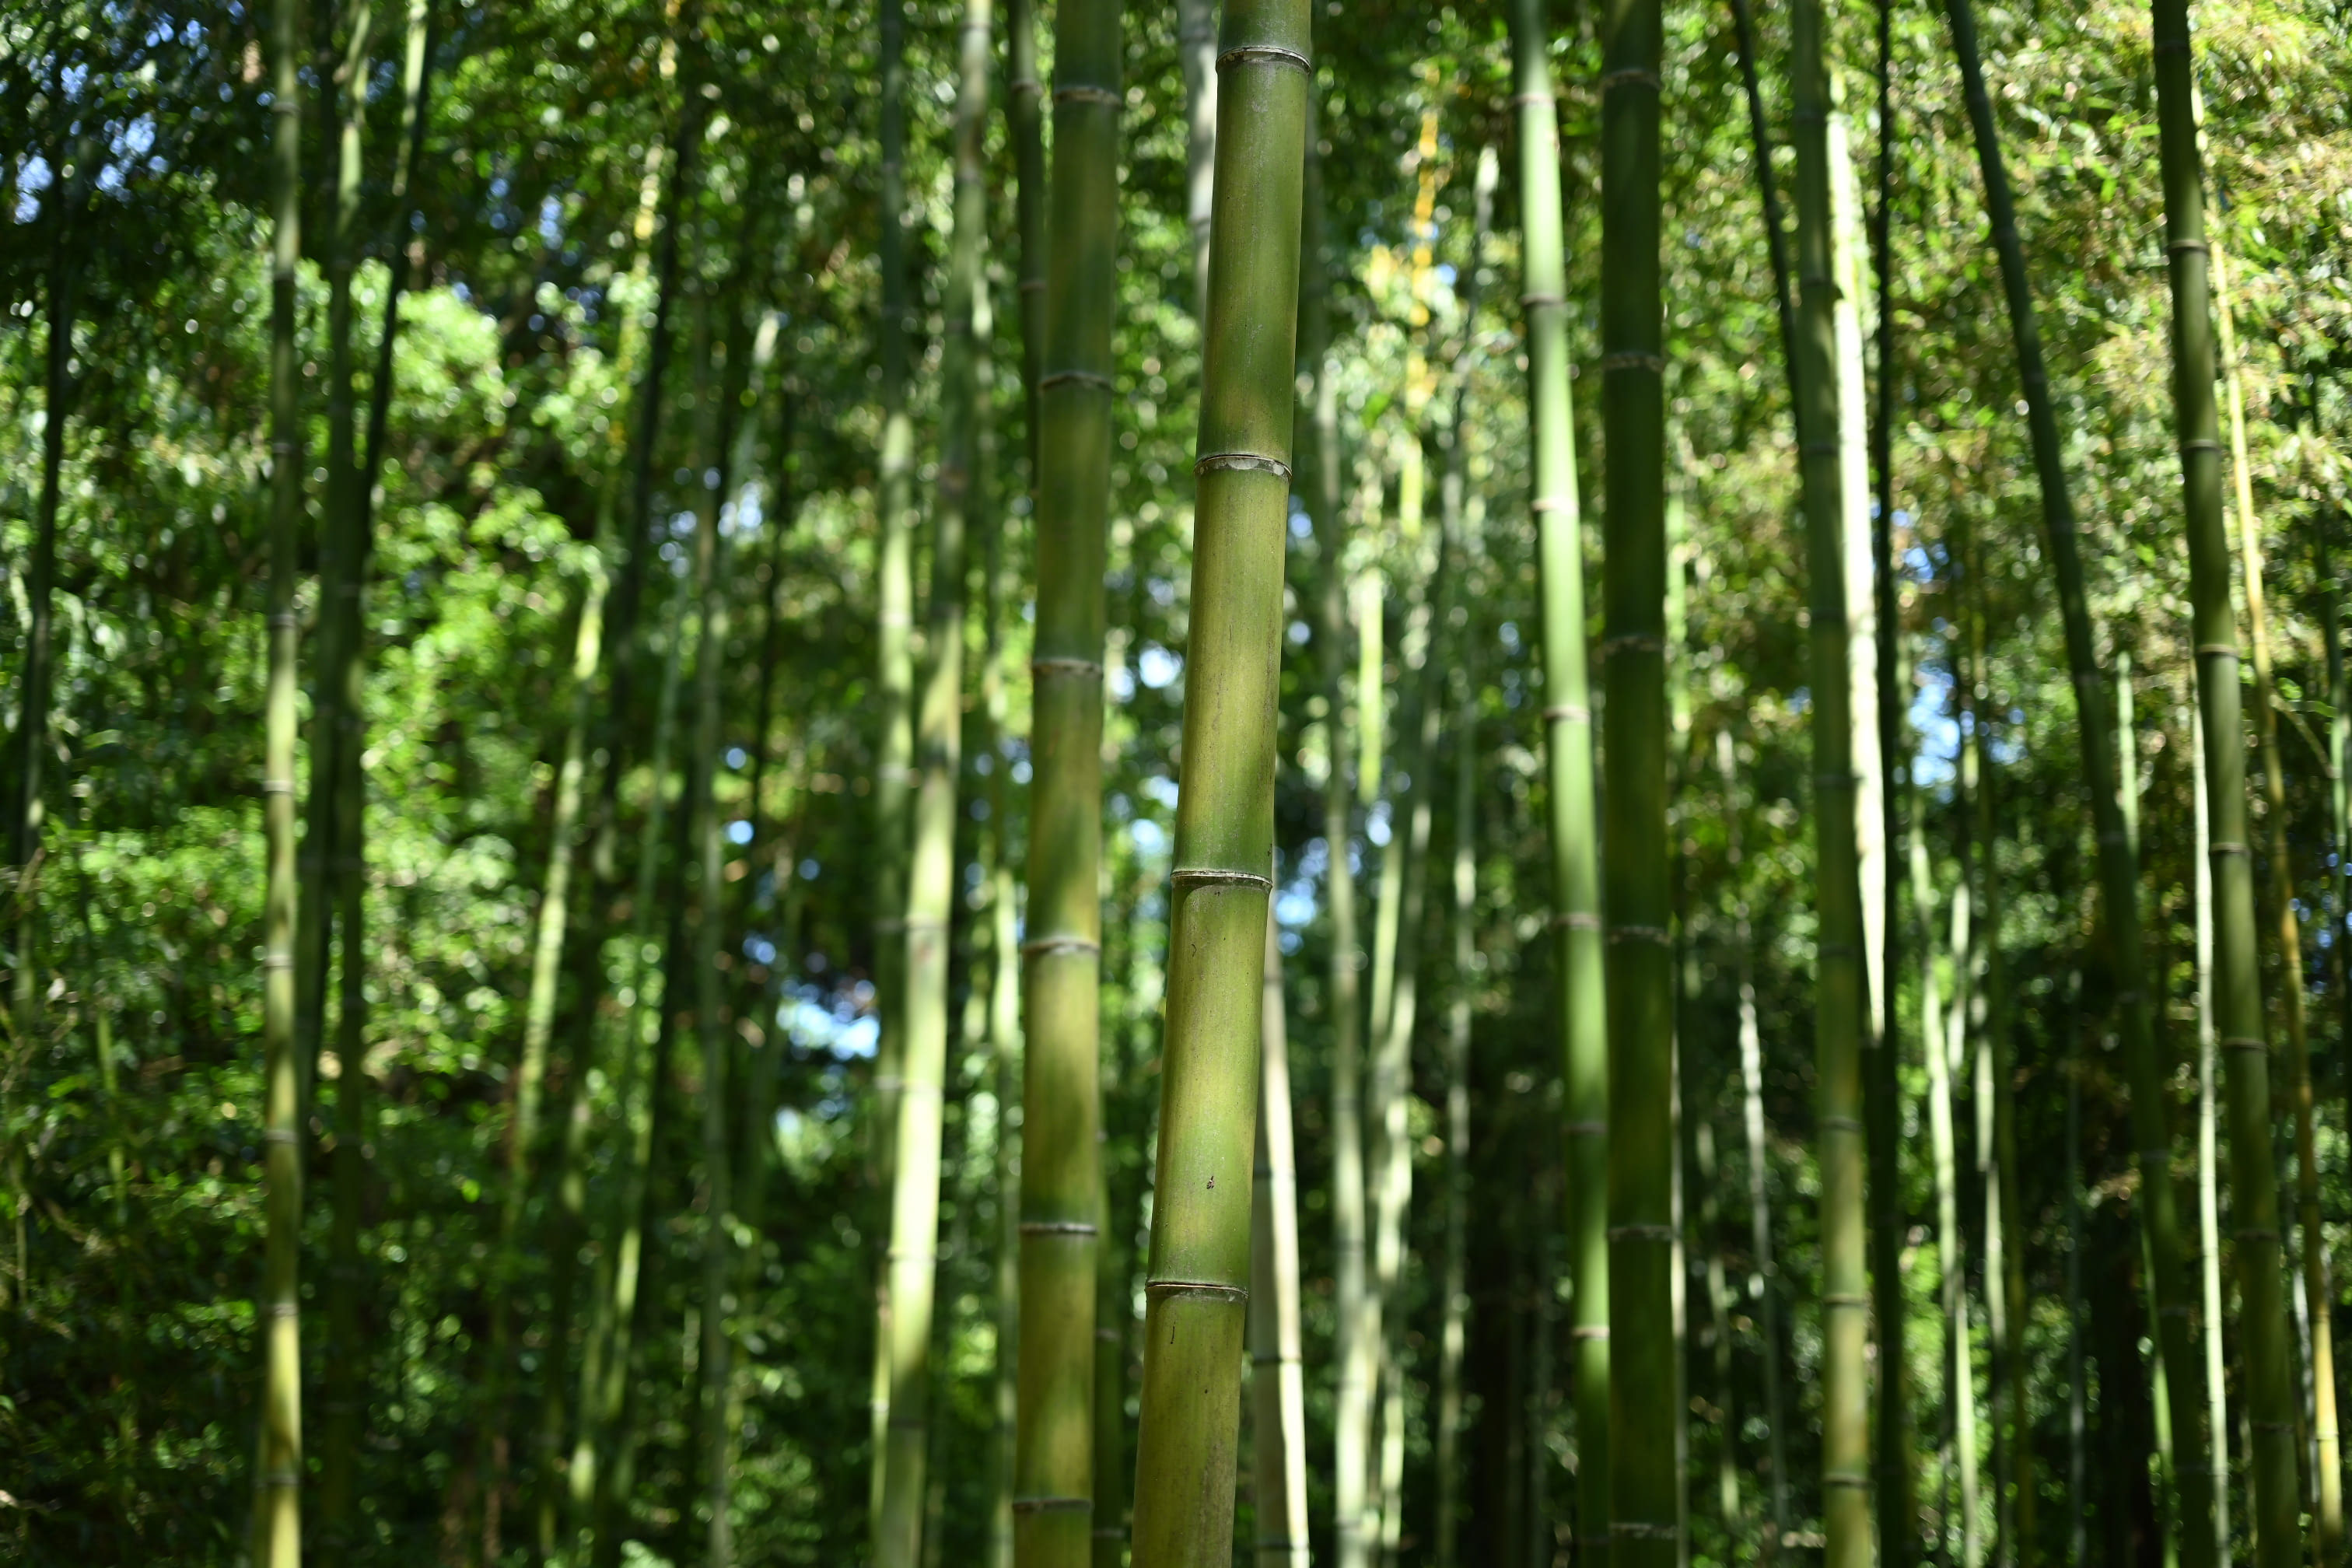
1077	785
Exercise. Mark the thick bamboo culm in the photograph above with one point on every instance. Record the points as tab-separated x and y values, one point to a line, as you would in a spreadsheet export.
1061	1188
2263	1346
1644	1422
1571	806
1196	1286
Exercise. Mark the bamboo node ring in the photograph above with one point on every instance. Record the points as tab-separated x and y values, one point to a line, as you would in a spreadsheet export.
1845	1480
2221	649
1586	1128
1575	920
1640	1530
2242	1043
277	960
1552	503
1086	95
1266	54
1630	76
1052	1505
1842	1123
285	1309
280	1135
1057	1227
1634	360
1844	1298
1640	1233
1061	945
278	786
1241	462
2199	444
1588	1331
2256	1235
1084	668
1197	875
1538	301
2181	245
2225	847
1633	642
1195	1288
1575	712
1081	377
1638	933
1521	100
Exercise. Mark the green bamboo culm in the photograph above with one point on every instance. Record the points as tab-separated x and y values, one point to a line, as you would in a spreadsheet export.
895	677
933	870
2265	1345
1025	119
1841	986
1644	1502
2171	1257
1278	1361
1351	1417
1061	1175
1579	951
331	895
278	1478
1197	1285
2319	1340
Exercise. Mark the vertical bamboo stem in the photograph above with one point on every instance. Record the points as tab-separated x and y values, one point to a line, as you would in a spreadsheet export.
1196	1286
1277	1375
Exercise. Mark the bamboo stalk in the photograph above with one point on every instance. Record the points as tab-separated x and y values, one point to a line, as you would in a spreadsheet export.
2237	1003
2208	1197
1196	1287
1061	1192
1196	49
2119	858
1841	981
931	875
1572	812
1277	1374
276	1540
894	678
332	854
1464	511
2327	1477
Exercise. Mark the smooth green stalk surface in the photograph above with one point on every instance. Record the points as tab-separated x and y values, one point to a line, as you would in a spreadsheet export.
931	886
1352	1418
1579	951
1278	1361
276	1540
2118	858
1644	1423
1196	1287
1061	1197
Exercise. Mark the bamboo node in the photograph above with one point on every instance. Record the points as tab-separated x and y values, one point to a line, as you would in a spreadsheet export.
281	1479
2179	246
2243	1043
1084	667
280	1135
1044	944
1032	285
1844	1298
1640	1233
1538	301
1587	1128
1845	1480
2170	47
1052	1505
2224	649
1634	360
1842	1123
1195	874
2225	847
1630	76
1575	920
285	1309
1588	1331
2255	1233
1266	54
1634	642
1542	504
1575	712
1057	1227
277	960
278	786
1082	377
1521	100
2199	444
1102	95
1195	1288
1241	462
1642	1530
1638	933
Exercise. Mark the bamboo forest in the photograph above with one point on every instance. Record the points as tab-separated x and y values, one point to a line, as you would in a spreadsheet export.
1060	784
